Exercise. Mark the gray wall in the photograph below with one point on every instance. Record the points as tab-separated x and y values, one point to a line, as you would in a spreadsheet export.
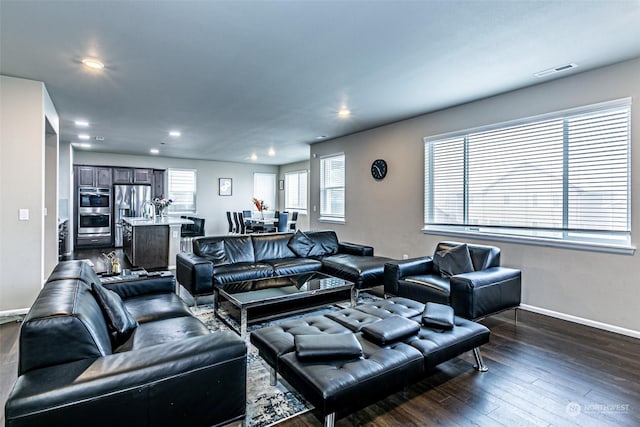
28	165
209	204
594	288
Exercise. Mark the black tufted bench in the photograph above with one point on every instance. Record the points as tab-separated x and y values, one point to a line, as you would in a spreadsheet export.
345	385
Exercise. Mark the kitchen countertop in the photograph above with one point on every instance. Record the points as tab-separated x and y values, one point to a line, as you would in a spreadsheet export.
167	220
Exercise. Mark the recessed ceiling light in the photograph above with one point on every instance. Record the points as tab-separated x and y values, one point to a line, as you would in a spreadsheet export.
82	144
93	64
321	136
154	151
174	133
254	157
271	152
344	113
82	123
84	136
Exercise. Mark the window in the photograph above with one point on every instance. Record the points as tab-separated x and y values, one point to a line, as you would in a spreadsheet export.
264	188
563	176
182	190
295	191
332	171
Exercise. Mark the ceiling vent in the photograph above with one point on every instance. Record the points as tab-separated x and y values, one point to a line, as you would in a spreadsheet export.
555	70
99	138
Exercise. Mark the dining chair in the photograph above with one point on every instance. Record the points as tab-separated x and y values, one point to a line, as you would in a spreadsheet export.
237	216
294	221
232	228
282	222
248	226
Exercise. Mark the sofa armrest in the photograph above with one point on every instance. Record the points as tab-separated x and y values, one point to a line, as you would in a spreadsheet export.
354	249
195	273
396	270
156	385
480	293
143	286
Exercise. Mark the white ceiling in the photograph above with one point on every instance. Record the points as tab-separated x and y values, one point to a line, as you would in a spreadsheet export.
240	77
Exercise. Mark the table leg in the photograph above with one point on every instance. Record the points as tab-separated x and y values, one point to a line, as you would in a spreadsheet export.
243	322
354	296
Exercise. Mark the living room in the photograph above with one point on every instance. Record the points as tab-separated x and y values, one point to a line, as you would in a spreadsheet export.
596	287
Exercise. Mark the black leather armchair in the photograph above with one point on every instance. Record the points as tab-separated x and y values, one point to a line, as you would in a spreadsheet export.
487	290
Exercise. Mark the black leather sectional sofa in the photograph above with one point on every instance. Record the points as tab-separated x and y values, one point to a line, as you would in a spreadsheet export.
76	369
351	358
218	260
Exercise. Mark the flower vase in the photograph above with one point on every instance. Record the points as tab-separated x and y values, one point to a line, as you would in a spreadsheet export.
261	215
162	212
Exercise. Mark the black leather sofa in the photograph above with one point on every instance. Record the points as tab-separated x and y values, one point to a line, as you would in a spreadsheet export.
170	370
218	260
399	352
484	289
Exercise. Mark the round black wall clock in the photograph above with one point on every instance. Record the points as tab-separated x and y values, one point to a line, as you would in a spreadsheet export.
379	169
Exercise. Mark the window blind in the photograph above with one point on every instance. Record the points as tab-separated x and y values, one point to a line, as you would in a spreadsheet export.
295	194
182	190
563	176
332	186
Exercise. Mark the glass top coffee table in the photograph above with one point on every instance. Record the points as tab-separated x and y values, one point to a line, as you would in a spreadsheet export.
258	300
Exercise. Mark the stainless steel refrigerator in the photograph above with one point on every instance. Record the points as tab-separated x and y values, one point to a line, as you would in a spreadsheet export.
127	202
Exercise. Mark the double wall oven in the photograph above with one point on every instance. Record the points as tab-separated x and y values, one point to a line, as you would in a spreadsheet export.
94	216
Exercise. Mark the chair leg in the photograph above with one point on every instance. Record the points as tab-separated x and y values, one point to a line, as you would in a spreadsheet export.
480	366
273	376
515	316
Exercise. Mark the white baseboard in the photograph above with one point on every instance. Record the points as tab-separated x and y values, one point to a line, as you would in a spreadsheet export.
16	312
582	321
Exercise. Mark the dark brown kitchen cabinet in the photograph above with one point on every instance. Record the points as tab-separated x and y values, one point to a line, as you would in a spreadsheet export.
122	175
146	246
93	176
143	176
157	188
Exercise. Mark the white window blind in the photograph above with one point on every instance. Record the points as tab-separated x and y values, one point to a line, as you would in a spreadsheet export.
564	176
295	191
332	186
182	190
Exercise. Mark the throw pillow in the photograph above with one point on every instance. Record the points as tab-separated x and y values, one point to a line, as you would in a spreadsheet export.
438	316
456	260
327	346
300	244
119	321
392	328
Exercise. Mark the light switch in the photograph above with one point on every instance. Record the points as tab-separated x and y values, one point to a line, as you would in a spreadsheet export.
24	215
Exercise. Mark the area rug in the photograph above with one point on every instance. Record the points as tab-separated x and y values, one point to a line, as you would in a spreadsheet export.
266	404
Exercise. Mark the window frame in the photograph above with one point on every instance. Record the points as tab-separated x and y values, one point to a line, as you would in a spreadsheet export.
304	205
173	209
329	216
527	235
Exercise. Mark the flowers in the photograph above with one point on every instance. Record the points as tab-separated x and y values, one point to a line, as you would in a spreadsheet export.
260	204
162	203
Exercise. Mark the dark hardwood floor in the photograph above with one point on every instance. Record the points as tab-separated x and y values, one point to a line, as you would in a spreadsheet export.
542	372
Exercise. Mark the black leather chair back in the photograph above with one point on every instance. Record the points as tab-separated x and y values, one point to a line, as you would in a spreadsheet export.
282	221
230	221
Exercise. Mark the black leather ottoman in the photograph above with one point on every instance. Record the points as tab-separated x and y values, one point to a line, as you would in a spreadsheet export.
345	385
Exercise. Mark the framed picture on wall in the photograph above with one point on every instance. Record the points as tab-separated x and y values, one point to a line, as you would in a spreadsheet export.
224	186
281	184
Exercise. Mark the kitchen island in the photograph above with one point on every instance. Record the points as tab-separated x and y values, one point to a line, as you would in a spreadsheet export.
152	243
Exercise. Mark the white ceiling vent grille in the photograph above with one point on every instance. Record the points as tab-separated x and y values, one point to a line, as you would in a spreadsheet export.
555	70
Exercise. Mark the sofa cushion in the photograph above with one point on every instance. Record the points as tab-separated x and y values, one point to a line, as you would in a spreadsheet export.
438	316
391	329
163	331
240	272
271	246
327	346
363	271
152	307
214	252
120	322
301	244
453	261
291	266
